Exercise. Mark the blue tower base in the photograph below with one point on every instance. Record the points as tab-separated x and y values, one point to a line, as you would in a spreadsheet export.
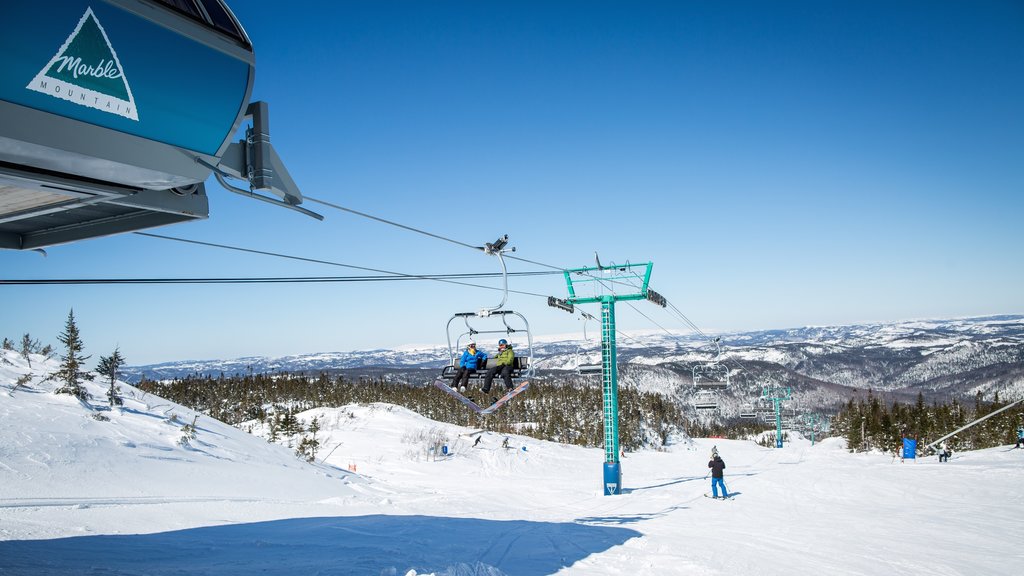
612	479
778	443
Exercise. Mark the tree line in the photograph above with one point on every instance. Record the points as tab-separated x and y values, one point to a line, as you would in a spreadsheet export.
547	411
869	424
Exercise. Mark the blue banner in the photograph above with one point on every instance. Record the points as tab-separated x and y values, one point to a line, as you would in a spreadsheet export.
910	448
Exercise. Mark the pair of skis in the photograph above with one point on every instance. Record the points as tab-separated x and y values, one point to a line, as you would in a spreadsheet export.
443	385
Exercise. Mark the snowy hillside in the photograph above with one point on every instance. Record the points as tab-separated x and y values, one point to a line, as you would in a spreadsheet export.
82	496
58	455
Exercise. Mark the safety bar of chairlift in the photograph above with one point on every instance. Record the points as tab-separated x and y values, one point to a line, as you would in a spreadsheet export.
589	369
508	330
710	385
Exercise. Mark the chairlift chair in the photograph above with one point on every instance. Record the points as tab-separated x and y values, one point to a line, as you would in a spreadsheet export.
748	413
586	368
705	400
523	366
711	375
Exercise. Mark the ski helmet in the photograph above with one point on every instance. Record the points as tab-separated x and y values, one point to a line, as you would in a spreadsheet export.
502	342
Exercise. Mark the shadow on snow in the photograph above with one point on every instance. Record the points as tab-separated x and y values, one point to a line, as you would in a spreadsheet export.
376	544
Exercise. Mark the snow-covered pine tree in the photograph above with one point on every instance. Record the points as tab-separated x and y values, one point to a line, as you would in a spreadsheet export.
108	366
70	372
188	432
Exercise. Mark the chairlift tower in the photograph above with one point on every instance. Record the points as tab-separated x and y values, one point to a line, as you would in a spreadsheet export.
811	422
602	279
777	394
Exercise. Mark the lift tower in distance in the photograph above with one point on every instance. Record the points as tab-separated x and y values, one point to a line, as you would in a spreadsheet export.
605	280
777	395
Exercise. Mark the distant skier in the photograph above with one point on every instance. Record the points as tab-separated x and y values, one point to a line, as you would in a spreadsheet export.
944	453
717	466
1020	437
505	359
468	364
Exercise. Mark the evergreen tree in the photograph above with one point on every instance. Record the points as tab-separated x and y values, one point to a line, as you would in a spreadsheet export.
70	372
29	347
108	366
309	444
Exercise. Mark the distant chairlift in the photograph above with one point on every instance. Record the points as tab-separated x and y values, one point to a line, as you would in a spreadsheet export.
705	400
711	375
748	412
584	367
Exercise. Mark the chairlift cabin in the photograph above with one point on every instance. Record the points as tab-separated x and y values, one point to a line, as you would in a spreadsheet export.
113	114
705	400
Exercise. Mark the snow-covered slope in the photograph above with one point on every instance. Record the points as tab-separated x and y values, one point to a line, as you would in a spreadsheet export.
59	454
81	496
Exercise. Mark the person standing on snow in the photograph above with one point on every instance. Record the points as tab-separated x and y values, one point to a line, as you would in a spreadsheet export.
1020	436
505	359
944	453
468	364
717	466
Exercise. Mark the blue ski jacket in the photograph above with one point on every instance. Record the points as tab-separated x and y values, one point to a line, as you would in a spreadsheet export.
472	361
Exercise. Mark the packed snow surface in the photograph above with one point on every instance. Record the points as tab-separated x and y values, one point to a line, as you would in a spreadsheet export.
125	496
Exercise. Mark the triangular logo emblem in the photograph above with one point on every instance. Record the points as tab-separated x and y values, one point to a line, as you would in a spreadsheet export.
86	71
609	487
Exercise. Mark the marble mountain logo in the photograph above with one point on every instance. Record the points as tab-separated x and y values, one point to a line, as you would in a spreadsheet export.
86	71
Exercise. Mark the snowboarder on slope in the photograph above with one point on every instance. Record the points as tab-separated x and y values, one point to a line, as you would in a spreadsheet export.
717	466
468	364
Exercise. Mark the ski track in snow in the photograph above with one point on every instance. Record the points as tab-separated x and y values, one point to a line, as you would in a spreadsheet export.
121	497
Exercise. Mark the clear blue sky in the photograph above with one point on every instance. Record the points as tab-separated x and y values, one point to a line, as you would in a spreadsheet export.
782	164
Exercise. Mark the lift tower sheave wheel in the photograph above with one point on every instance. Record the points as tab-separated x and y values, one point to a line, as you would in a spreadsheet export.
599	277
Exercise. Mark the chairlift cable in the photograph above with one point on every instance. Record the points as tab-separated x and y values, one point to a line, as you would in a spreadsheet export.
328	262
437	236
423	232
693	326
253	280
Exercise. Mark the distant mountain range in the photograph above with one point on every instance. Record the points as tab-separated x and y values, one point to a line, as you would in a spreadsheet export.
823	365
